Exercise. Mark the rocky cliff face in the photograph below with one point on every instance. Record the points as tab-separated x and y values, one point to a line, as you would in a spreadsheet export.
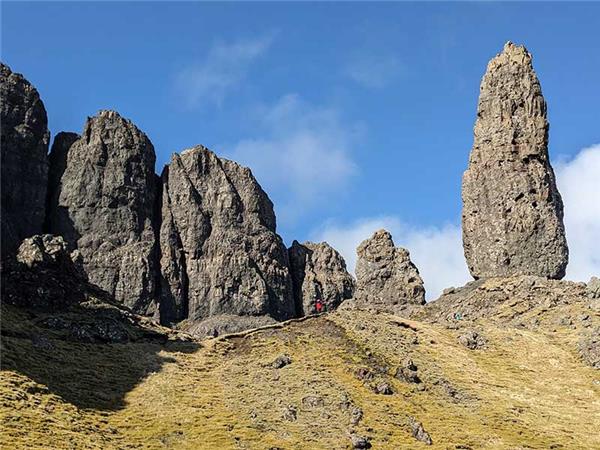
318	273
24	162
220	254
512	212
385	275
101	200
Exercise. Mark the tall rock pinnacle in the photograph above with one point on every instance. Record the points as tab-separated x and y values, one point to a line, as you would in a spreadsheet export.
220	254
385	275
24	165
102	190
512	214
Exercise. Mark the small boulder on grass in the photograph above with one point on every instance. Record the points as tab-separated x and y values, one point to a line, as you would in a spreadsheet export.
472	340
419	432
281	361
360	442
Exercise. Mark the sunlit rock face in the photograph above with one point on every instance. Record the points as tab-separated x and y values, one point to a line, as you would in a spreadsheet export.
512	214
385	275
220	254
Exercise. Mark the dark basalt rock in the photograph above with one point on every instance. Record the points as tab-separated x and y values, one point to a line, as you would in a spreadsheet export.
24	163
102	200
220	252
318	273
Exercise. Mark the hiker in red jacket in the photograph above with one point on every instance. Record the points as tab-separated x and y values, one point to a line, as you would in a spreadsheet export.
319	306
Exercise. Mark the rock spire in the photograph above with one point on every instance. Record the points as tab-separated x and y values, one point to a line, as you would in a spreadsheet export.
512	214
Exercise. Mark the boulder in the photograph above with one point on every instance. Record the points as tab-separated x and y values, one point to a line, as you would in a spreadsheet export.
24	163
512	214
318	273
43	275
102	190
220	254
385	275
593	288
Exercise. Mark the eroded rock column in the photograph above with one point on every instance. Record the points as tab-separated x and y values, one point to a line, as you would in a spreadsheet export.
512	214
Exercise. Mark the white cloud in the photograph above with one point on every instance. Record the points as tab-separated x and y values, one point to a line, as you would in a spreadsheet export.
304	157
437	252
223	69
579	184
374	71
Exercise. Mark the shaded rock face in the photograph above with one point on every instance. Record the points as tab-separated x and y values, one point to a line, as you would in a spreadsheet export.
318	273
512	211
24	164
385	275
44	275
219	250
102	190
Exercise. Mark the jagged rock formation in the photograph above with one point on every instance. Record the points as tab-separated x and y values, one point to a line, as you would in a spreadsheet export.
385	275
220	252
512	211
24	162
318	273
101	200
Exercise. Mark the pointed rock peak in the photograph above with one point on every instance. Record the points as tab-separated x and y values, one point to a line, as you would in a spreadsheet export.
510	55
228	260
512	210
101	200
385	275
24	167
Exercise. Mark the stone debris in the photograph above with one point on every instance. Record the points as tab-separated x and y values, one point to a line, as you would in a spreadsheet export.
281	361
593	288
419	432
472	340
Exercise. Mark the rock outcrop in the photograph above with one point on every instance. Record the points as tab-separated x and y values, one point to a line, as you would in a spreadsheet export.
43	276
220	254
102	200
385	275
512	211
318	273
24	164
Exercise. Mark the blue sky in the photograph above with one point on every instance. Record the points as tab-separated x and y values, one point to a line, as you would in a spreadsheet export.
351	115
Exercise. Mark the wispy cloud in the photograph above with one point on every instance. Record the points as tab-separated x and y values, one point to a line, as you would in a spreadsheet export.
374	70
579	184
303	155
221	71
436	251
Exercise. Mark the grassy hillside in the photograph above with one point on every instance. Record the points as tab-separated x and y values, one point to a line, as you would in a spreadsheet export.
525	387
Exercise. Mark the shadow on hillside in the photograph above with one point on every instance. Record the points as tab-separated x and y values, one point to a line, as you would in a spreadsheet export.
87	375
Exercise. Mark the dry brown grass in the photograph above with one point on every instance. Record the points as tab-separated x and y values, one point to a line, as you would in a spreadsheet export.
526	389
